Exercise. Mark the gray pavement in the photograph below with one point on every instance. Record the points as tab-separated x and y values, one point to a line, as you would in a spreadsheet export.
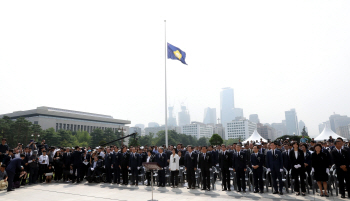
96	192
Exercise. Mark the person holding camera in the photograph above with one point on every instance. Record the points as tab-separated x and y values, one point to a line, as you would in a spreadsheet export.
32	145
33	167
15	164
43	163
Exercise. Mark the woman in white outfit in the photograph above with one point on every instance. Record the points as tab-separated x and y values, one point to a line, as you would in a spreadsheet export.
174	168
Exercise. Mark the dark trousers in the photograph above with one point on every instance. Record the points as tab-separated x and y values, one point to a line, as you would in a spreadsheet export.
295	175
174	177
341	176
42	171
258	180
116	170
83	171
226	178
33	176
206	179
148	177
161	174
11	176
276	174
134	175
58	173
77	169
125	175
191	177
240	176
109	174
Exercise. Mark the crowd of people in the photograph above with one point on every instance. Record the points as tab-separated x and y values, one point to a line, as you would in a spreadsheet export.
37	162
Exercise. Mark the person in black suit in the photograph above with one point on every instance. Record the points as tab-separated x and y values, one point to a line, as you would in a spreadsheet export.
285	154
161	159
76	160
240	167
108	165
66	163
95	168
191	167
58	164
134	161
257	162
341	159
225	163
149	158
15	164
320	168
274	165
182	158
205	166
297	161
125	166
116	160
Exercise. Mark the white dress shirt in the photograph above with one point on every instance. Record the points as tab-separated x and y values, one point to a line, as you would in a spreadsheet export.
44	158
174	162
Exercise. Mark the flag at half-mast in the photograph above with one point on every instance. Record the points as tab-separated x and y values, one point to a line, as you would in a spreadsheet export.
176	53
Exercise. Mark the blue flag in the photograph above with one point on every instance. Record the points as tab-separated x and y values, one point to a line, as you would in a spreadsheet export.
176	54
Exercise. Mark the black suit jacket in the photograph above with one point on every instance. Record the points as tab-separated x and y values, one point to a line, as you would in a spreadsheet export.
240	161
66	159
340	159
76	158
225	161
205	163
191	161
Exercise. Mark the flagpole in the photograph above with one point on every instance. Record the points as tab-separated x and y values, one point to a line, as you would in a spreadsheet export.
166	109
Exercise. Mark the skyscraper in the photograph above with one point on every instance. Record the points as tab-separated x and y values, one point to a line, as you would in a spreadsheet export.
321	126
153	124
184	116
226	105
209	116
337	121
292	122
171	118
254	118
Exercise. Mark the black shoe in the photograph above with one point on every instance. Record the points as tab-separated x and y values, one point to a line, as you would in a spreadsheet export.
244	191
10	190
281	193
188	187
224	189
208	189
193	187
261	192
229	189
326	195
297	193
303	194
203	189
238	191
276	192
342	196
256	191
148	184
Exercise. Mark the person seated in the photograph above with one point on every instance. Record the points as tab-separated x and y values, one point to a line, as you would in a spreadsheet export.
3	177
95	168
49	174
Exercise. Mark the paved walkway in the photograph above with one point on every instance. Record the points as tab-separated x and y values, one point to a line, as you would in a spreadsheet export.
102	191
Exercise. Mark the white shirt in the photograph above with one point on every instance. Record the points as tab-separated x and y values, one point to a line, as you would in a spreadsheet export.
18	155
296	154
148	158
94	165
174	162
44	158
102	154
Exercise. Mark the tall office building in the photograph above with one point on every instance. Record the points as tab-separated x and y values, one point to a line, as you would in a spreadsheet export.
239	128
184	116
237	112
153	124
155	130
337	121
301	126
281	128
171	118
226	105
254	118
266	131
142	126
209	115
292	122
197	130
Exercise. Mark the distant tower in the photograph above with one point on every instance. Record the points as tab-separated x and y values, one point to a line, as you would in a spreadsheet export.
209	116
171	118
226	105
184	116
254	118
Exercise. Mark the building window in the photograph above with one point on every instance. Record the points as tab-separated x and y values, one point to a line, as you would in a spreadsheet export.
36	122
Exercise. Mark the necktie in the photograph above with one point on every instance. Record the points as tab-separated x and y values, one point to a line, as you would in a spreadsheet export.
273	152
204	156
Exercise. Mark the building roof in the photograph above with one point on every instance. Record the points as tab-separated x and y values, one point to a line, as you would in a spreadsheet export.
254	137
326	133
63	113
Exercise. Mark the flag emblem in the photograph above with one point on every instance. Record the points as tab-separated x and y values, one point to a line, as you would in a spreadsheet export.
176	53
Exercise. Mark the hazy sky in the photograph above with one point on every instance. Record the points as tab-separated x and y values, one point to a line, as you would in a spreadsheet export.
107	57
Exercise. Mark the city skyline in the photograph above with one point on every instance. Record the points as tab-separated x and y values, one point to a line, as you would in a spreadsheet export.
274	59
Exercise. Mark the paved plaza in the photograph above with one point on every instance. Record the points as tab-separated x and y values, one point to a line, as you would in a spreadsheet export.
102	191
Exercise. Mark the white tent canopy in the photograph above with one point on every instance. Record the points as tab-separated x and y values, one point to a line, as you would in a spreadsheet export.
254	137
326	133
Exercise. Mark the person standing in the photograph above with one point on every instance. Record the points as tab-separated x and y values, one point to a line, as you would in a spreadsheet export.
108	161
125	166
205	164
134	161
174	168
191	167
341	159
274	165
117	156
76	160
161	159
149	158
320	169
225	163
3	149
14	165
58	164
257	162
43	163
297	161
66	163
240	167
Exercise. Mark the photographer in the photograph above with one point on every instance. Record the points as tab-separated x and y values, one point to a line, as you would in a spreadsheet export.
33	167
43	163
42	146
32	145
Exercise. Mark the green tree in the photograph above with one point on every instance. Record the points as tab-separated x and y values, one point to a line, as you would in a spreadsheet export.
203	141
96	137
20	131
109	135
5	128
216	139
51	137
84	138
